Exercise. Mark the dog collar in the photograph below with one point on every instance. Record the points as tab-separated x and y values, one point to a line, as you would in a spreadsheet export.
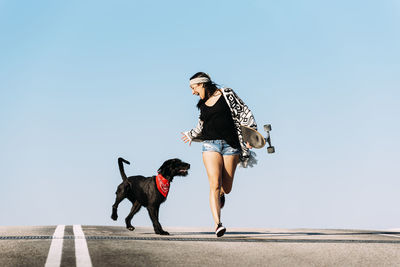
162	185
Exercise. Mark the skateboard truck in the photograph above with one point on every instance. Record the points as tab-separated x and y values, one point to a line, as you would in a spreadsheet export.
270	148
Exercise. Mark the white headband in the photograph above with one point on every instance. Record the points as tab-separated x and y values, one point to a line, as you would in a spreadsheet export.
199	80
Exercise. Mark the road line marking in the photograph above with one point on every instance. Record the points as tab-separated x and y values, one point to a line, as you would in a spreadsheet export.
55	251
81	249
213	239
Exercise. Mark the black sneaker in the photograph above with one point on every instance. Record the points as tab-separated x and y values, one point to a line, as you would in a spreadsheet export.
222	200
220	230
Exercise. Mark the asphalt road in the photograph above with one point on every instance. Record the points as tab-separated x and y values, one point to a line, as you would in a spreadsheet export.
116	246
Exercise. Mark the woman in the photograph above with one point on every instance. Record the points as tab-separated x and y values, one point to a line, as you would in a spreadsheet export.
221	114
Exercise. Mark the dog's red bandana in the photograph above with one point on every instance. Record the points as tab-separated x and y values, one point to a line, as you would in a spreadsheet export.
162	185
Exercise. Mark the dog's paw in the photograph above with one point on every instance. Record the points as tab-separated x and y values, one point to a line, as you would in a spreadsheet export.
114	217
130	228
163	233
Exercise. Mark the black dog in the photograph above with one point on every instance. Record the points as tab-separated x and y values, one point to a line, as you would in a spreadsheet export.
147	191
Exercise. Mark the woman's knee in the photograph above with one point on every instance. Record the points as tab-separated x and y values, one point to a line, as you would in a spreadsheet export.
227	183
227	189
215	187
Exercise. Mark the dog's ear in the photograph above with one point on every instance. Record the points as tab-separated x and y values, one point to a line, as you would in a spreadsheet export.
164	167
167	168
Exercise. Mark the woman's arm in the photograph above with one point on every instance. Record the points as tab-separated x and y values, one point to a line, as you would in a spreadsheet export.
194	133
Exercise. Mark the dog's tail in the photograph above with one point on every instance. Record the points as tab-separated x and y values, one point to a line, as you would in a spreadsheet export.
121	162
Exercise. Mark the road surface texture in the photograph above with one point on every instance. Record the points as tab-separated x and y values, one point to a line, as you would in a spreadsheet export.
116	246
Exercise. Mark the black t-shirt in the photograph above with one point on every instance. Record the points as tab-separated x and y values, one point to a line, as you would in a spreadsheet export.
218	123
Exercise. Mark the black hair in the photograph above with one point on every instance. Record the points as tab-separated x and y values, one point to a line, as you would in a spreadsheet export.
209	87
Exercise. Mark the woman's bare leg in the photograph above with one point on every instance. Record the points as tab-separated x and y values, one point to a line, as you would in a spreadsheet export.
213	161
228	172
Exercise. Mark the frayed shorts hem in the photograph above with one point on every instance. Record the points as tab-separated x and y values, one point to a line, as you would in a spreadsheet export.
220	146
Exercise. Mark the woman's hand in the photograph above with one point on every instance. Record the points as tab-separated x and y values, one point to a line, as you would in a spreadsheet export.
248	145
186	139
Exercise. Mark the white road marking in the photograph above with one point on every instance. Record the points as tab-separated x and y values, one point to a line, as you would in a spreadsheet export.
81	249
55	252
398	236
392	230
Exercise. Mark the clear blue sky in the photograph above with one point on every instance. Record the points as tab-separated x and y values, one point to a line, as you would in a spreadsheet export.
84	82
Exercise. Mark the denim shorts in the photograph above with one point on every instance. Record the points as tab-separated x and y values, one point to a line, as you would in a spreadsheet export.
220	146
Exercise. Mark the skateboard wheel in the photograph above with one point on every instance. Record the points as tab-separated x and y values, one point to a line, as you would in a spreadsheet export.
267	127
271	149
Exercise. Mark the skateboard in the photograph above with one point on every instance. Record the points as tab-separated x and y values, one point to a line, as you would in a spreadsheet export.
257	140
